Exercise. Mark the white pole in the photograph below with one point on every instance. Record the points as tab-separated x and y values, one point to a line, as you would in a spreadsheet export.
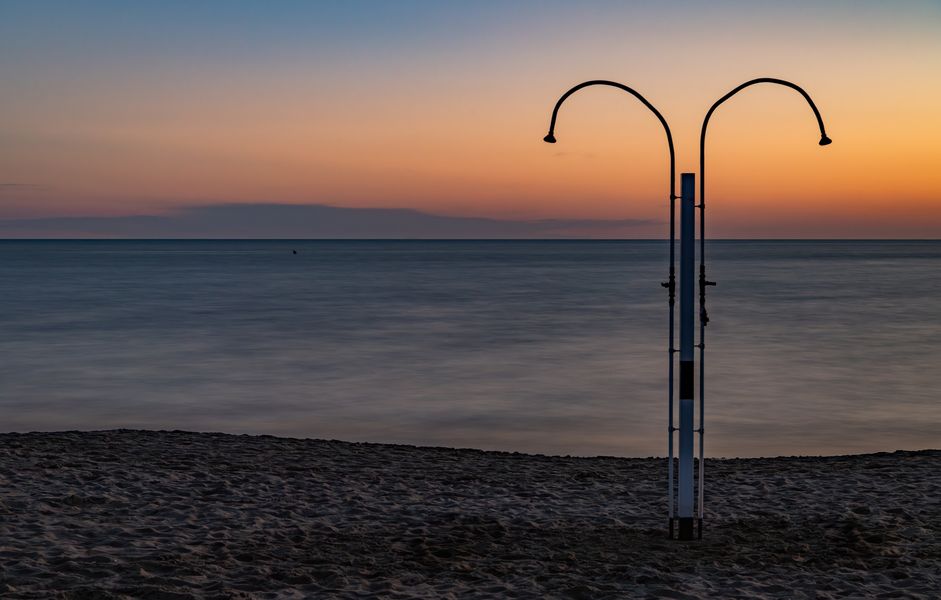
687	259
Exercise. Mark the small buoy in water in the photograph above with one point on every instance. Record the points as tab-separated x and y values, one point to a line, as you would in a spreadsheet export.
294	251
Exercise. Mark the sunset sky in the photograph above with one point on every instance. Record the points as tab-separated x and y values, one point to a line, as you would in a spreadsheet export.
115	109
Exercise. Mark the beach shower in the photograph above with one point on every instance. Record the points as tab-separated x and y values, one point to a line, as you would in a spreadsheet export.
684	488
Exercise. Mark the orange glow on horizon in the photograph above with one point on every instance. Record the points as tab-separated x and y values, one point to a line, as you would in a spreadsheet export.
460	133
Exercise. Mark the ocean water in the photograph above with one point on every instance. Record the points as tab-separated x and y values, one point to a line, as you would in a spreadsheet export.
538	346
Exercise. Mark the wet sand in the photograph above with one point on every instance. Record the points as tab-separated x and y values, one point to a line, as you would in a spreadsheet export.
175	515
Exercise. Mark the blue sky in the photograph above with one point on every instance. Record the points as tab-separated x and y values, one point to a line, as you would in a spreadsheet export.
118	108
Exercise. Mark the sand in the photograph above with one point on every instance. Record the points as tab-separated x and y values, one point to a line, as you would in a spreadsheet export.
139	514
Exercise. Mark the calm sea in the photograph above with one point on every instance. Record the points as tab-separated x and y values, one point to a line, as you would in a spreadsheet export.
554	347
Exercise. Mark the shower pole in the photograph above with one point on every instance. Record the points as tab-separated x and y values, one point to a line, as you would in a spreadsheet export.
680	503
687	262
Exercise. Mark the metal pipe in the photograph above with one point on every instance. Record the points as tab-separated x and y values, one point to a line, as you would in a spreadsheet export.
703	282
550	138
671	283
671	286
701	429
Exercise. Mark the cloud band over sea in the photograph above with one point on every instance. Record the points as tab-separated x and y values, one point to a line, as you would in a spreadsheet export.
272	221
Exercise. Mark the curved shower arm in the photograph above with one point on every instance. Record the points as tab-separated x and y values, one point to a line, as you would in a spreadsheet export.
550	138
671	283
703	282
824	140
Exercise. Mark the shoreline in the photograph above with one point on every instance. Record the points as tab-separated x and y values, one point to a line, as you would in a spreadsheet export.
132	513
289	438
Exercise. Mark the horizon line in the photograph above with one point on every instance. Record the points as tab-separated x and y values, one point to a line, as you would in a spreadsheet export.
455	239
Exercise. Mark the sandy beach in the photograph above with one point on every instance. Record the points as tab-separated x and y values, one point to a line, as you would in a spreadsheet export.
141	514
